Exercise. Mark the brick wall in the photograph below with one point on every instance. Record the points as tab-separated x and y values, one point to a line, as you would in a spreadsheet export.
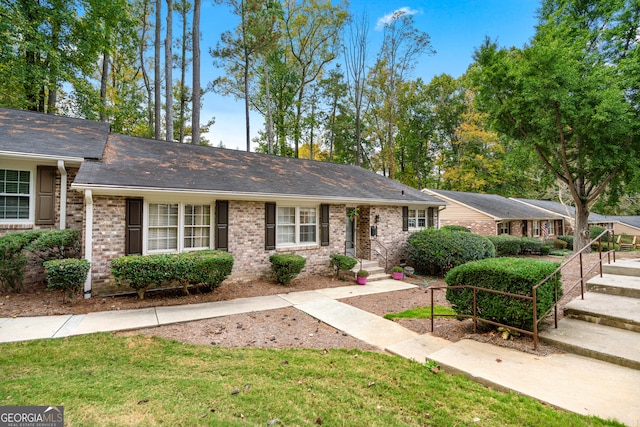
484	228
108	242
389	235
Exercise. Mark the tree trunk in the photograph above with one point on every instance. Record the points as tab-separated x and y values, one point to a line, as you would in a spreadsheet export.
157	80
269	113
104	78
183	70
581	232
168	67
246	101
195	114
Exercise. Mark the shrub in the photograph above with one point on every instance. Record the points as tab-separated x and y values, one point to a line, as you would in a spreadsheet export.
206	269
455	228
341	263
569	240
557	244
13	260
513	275
286	266
56	244
397	269
66	275
438	251
506	245
530	245
362	273
545	249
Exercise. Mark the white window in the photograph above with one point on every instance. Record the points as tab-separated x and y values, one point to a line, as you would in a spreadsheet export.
296	225
173	227
503	228
552	229
536	228
15	194
421	218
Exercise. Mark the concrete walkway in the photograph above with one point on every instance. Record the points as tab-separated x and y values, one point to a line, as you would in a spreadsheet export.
566	381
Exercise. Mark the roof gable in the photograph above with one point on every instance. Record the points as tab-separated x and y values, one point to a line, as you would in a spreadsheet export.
47	135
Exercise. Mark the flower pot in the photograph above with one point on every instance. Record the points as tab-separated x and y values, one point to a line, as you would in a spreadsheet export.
397	275
361	280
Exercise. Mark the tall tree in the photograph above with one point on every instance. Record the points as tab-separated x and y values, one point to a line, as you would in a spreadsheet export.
312	34
195	38
402	45
572	97
157	77
355	53
168	71
183	94
239	52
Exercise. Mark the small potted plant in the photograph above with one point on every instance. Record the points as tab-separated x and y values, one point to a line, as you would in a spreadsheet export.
361	277
397	273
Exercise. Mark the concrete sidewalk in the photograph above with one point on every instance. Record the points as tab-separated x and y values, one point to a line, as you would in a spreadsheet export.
566	381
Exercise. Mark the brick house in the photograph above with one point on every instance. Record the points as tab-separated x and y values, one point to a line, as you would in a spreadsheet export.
138	196
490	214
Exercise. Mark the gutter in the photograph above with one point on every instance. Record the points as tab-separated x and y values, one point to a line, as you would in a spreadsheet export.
63	194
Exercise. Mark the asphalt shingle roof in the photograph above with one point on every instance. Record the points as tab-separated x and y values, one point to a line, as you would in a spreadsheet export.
50	135
149	164
633	221
496	206
560	209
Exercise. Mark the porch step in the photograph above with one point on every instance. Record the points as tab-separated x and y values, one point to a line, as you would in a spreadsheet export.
612	284
609	310
623	267
375	271
605	343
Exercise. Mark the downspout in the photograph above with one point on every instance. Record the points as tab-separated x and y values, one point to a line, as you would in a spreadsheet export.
63	195
88	239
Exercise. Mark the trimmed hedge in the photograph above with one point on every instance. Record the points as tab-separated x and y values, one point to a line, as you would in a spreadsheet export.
513	275
531	245
56	244
205	269
66	275
438	251
506	245
341	263
455	228
569	240
286	266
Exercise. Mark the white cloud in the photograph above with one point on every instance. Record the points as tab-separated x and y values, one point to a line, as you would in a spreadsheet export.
390	17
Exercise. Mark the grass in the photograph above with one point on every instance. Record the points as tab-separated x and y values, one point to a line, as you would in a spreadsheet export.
106	380
420	313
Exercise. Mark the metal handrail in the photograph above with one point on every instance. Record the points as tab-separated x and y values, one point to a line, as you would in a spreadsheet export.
386	254
349	255
534	289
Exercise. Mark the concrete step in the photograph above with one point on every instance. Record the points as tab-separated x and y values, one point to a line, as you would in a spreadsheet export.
605	343
614	284
378	276
623	267
610	310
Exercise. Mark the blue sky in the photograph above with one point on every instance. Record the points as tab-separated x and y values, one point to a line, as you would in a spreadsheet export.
456	27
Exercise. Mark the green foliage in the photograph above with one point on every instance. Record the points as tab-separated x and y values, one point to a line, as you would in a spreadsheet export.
13	260
513	275
455	228
66	275
286	266
506	245
362	273
438	251
568	239
341	263
530	245
557	243
397	269
56	244
206	269
420	313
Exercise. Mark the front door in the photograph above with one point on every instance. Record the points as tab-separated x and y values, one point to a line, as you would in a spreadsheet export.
350	244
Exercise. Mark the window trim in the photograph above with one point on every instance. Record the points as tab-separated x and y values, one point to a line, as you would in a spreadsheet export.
32	169
297	225
180	247
536	229
429	220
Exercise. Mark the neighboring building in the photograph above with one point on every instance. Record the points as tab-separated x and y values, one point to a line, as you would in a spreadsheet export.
490	214
567	212
629	225
139	196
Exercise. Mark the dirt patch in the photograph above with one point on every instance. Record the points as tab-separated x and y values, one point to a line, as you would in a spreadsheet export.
287	327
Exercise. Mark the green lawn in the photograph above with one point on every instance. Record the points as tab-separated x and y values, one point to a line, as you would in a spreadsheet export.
107	380
420	313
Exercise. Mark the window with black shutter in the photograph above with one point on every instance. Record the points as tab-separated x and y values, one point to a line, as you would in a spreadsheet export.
405	218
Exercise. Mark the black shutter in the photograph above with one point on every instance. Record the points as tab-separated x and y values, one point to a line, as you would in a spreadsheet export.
45	195
270	226
324	225
431	218
222	225
405	218
133	229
